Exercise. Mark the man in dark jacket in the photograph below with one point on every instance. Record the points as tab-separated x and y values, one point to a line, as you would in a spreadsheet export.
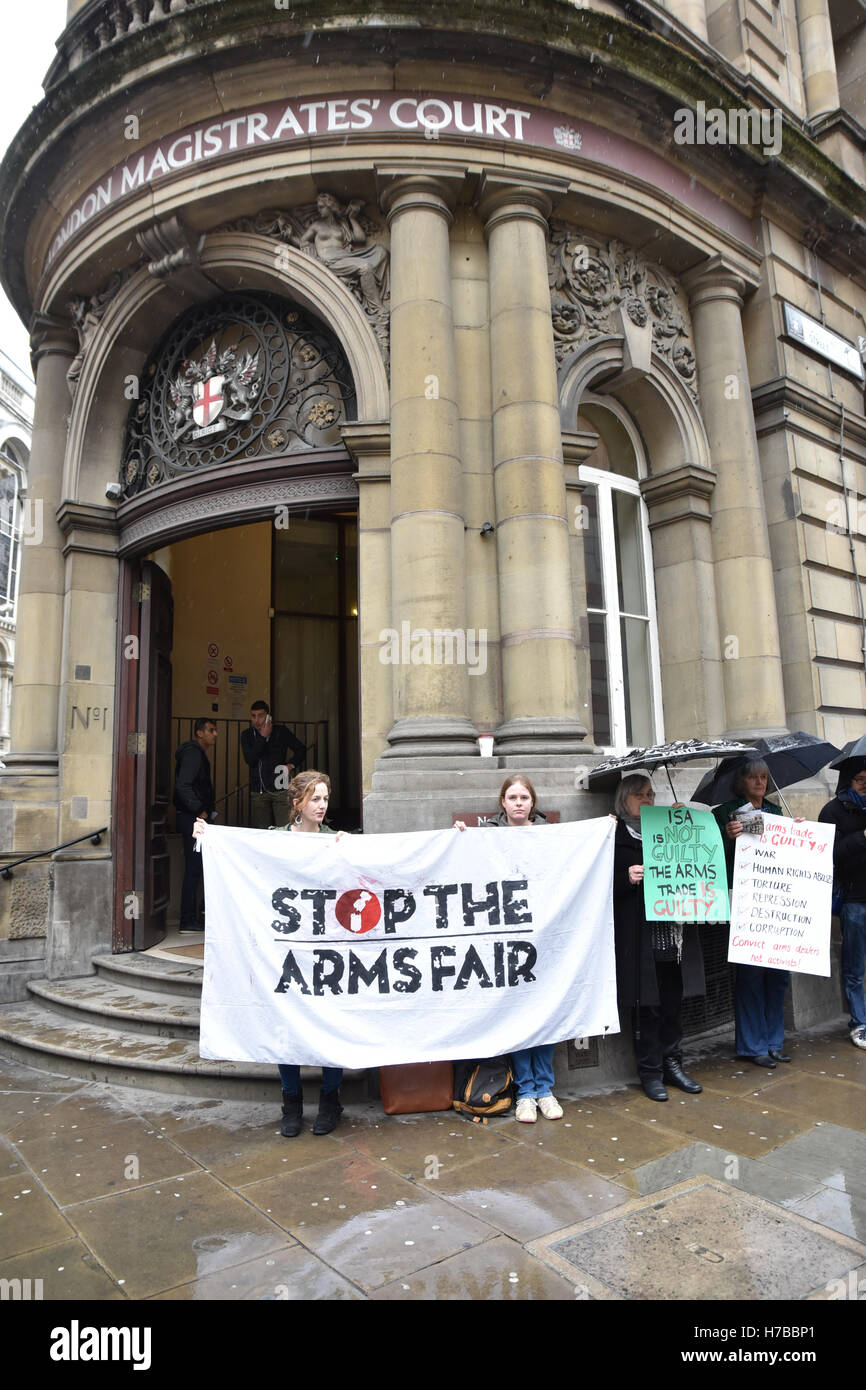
272	752
847	811
193	797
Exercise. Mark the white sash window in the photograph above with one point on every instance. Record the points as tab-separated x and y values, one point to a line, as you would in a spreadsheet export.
620	592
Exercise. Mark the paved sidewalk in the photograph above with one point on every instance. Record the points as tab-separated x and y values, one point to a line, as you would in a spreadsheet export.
755	1189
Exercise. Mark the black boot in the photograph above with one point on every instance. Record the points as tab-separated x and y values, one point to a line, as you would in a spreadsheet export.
293	1110
675	1076
653	1088
329	1114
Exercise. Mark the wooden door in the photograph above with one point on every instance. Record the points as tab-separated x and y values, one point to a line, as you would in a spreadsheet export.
144	766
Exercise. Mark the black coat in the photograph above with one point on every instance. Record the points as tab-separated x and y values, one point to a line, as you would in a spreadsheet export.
849	846
630	925
193	788
265	755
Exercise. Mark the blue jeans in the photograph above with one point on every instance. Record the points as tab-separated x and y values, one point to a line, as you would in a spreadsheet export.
290	1075
533	1071
759	1009
854	961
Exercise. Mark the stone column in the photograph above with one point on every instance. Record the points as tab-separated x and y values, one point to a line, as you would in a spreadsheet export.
745	595
818	57
428	656
539	668
369	445
679	504
32	765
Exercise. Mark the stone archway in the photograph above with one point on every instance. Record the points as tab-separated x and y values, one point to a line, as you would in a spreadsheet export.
142	309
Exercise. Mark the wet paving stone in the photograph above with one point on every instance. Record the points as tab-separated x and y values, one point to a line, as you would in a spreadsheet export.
761	1177
201	1228
526	1194
705	1243
28	1218
840	1102
415	1146
751	1127
839	1210
246	1155
10	1163
292	1275
69	1273
833	1055
66	1115
366	1222
499	1270
103	1159
829	1154
598	1138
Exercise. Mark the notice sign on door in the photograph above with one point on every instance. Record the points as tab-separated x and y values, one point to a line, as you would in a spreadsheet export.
684	865
780	906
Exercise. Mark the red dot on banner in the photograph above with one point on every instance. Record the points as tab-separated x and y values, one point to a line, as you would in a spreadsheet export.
358	911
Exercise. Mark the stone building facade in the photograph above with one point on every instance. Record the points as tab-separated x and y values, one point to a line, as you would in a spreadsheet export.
538	322
20	517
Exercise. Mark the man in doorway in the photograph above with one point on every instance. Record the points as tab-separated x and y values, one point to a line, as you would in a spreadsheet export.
272	753
193	797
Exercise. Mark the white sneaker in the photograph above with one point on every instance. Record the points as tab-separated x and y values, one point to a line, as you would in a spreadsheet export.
550	1107
858	1037
526	1110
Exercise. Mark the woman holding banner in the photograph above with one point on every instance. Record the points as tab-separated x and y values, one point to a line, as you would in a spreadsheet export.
656	962
532	1066
309	794
759	990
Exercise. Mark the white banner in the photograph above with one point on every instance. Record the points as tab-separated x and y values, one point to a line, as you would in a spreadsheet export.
780	905
422	947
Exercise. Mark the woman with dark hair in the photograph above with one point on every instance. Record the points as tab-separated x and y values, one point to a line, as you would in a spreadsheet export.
759	990
656	962
532	1066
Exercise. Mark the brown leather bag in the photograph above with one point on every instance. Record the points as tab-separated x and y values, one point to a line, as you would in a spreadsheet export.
416	1088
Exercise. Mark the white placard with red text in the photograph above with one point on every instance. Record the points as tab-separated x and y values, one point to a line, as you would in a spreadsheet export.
418	947
780	905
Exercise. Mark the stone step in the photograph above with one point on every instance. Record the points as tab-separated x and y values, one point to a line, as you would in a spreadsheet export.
40	1037
151	972
95	999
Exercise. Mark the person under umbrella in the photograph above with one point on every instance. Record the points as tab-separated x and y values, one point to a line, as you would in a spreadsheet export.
656	963
759	990
847	811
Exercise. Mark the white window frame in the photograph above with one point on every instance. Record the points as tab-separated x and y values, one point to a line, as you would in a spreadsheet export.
605	484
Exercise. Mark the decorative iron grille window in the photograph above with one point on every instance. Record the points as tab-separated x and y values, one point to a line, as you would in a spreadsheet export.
245	378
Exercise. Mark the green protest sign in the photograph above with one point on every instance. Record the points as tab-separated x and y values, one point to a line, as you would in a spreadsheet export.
684	865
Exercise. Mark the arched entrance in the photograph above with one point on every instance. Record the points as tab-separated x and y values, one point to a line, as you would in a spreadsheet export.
238	581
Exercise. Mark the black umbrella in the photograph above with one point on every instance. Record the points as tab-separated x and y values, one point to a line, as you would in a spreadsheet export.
606	776
790	758
853	752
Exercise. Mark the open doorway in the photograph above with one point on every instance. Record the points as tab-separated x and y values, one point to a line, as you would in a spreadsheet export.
262	611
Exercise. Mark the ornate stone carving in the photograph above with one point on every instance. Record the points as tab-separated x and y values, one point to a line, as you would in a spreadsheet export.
87	314
590	278
249	499
344	240
244	377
